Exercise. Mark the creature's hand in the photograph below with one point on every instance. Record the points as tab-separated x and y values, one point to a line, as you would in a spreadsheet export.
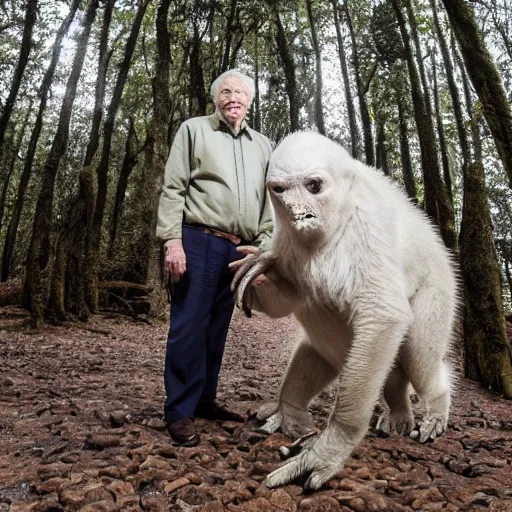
321	456
175	262
248	250
248	269
292	421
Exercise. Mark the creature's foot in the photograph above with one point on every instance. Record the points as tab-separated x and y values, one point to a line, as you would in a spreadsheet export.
400	422
292	421
430	427
320	457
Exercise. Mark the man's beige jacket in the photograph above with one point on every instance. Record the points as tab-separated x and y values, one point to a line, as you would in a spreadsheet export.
216	178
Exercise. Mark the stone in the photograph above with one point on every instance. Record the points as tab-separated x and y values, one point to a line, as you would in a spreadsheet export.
101	441
319	504
55	470
99	506
155	461
110	471
282	501
194	478
120	488
362	473
119	418
213	506
153	503
72	496
170	487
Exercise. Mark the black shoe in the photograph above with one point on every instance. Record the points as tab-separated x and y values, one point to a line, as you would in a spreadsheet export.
183	432
214	411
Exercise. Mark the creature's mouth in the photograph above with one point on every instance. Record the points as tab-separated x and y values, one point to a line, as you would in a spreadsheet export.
303	216
304	221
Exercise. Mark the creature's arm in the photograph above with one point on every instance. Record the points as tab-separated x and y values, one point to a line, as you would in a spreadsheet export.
276	297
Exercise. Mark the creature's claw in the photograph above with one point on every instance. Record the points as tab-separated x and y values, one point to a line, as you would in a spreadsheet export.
301	443
308	460
292	421
267	410
272	424
401	423
383	425
255	265
430	427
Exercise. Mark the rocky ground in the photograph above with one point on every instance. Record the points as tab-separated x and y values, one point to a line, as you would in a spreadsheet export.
81	429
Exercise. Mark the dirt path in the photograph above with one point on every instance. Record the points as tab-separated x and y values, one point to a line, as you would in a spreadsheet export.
81	429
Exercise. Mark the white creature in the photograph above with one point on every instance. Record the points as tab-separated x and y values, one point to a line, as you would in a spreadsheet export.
370	281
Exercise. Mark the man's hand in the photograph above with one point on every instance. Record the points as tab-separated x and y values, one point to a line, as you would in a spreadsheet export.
248	251
175	262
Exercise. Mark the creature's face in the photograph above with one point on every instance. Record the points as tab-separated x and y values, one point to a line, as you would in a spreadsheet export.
307	182
303	201
232	100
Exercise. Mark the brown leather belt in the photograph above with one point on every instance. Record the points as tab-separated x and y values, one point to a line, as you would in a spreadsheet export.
215	232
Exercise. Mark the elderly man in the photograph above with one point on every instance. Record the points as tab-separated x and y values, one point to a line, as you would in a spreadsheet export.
213	209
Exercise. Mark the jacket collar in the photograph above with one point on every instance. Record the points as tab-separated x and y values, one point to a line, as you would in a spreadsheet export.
219	123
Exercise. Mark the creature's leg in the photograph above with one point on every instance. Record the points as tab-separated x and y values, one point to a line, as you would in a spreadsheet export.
396	393
422	360
378	332
308	373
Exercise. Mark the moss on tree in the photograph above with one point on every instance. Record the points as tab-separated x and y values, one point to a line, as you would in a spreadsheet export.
487	354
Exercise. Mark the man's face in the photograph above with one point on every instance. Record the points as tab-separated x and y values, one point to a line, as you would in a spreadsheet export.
232	100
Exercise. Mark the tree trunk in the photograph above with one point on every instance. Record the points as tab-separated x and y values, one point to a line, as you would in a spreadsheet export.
161	82
129	162
228	37
156	153
26	46
101	79
354	132
39	249
319	113
485	78
67	291
440	131
235	52
437	202
69	279
405	152
288	64
454	91
94	237
13	157
474	115
419	58
382	152
196	73
508	275
487	358
256	105
361	94
12	230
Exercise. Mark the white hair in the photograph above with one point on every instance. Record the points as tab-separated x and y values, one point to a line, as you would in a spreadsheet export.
246	80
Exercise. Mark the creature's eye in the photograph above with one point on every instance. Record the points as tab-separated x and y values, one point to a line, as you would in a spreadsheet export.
314	185
277	189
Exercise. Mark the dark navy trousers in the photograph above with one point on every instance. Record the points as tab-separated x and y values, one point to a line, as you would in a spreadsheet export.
201	309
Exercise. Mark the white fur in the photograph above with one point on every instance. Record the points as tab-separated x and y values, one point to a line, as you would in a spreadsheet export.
371	283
